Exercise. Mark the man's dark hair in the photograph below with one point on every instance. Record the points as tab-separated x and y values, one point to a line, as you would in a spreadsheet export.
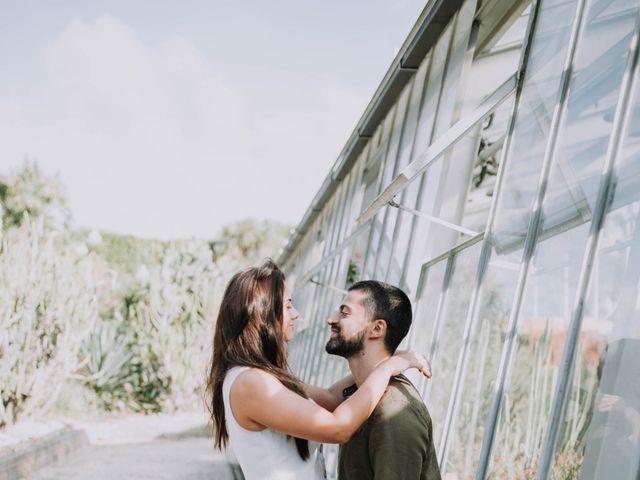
389	303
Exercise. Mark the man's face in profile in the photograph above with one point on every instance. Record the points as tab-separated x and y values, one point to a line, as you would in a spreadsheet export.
349	324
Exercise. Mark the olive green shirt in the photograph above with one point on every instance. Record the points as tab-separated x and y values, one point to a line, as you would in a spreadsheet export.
396	442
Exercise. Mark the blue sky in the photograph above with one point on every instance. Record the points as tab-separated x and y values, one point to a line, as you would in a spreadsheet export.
171	119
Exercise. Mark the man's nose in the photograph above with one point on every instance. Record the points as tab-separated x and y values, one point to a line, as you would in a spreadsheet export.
333	318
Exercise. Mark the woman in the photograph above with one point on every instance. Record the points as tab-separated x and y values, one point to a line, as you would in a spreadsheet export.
256	404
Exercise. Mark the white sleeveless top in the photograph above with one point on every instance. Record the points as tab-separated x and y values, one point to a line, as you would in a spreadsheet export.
267	454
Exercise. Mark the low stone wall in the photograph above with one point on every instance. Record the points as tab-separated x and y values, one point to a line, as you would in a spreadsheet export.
19	461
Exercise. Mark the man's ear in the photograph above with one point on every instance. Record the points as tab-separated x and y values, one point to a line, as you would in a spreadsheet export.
378	328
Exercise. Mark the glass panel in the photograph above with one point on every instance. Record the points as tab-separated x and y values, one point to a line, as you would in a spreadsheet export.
426	306
515	33
600	436
320	333
447	339
302	298
393	266
332	366
356	254
537	102
535	109
501	50
411	121
485	167
390	166
424	131
552	282
424	187
443	193
378	242
453	92
460	192
486	343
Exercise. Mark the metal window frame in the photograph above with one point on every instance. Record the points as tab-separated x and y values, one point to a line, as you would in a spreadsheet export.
306	360
403	103
422	93
339	265
451	257
431	136
466	63
445	141
385	144
459	129
628	89
324	278
442	298
437	148
510	342
563	387
335	269
329	273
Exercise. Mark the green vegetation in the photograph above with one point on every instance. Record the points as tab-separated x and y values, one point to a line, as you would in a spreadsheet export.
126	321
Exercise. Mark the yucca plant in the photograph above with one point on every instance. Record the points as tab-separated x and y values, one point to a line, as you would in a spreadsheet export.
150	351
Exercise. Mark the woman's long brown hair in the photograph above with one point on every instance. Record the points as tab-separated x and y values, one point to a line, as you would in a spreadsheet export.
249	333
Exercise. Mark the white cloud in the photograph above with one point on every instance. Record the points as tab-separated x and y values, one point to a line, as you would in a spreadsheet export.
160	141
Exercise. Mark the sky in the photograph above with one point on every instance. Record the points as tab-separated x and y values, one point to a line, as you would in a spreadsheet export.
168	119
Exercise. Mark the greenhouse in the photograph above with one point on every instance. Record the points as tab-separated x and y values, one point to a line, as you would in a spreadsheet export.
495	177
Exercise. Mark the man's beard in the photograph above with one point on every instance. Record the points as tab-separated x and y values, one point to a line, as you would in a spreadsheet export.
338	345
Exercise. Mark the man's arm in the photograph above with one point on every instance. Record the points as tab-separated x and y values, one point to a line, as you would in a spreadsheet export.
400	445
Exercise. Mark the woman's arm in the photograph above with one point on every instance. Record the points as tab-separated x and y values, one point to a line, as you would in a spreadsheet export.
258	398
329	398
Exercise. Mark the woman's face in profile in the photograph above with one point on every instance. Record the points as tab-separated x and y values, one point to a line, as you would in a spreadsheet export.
290	315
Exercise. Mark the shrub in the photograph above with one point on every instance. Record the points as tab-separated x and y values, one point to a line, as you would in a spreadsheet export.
150	352
48	303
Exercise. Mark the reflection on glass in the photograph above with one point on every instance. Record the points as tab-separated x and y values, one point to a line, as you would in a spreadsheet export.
494	302
542	328
452	94
448	336
521	174
535	109
424	130
598	67
600	434
485	167
552	282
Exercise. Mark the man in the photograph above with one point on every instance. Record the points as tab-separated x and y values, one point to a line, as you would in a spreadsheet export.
396	442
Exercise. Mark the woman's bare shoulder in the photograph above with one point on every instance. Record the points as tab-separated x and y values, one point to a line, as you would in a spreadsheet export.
256	380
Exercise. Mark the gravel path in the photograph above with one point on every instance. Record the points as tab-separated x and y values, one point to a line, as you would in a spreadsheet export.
188	459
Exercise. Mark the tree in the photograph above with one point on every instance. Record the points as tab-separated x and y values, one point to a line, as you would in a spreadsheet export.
29	191
248	241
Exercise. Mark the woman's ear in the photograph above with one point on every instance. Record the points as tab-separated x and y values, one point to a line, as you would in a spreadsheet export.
379	328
